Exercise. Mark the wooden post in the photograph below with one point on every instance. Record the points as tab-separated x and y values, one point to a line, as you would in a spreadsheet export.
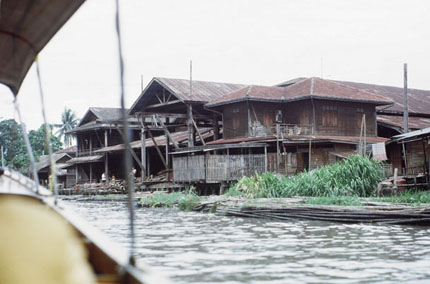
76	174
91	164
405	158
167	150
148	164
365	134
425	163
249	119
310	153
215	127
190	110
265	158
405	99
143	152
228	164
278	156
106	158
190	125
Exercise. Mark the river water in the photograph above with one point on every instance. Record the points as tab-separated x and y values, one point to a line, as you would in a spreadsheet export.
192	247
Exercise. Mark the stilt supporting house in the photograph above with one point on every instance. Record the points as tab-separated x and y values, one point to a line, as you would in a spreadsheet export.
106	158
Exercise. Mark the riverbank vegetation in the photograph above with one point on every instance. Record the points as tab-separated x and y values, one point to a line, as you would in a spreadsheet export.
185	201
355	176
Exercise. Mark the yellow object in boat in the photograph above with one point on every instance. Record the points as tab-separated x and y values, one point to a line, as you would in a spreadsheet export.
38	246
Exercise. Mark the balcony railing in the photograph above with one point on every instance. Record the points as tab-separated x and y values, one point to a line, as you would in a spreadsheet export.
284	130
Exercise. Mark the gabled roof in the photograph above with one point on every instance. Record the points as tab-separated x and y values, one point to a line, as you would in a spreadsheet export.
202	91
316	88
102	114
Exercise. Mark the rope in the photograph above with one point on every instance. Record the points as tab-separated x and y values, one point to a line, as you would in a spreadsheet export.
127	157
28	147
47	134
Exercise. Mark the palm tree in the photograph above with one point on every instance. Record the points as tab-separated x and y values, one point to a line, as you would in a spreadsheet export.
68	122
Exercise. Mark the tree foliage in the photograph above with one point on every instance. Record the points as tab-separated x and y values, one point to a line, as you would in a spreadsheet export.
68	122
14	149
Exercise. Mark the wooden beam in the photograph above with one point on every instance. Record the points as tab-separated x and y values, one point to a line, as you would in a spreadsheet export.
163	104
133	154
198	132
166	131
157	148
172	115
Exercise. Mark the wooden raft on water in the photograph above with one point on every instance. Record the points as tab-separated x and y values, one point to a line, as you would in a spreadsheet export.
351	214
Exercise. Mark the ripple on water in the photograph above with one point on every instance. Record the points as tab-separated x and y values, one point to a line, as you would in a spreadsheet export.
203	248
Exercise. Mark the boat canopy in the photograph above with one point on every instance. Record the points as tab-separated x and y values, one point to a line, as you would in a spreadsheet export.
26	26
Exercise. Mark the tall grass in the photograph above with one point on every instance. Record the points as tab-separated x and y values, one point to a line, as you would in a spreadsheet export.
185	201
355	176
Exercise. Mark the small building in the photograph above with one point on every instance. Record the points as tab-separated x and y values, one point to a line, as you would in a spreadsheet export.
416	154
43	167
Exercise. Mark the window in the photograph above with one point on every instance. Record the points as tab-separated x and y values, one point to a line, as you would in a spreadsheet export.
329	116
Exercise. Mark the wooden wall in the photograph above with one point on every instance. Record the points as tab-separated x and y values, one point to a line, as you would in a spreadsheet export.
235	120
332	118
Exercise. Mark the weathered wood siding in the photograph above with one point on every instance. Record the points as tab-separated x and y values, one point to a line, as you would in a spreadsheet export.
216	168
415	157
332	118
343	119
235	120
189	168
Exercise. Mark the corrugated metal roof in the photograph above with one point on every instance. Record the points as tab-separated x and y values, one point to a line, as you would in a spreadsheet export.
412	134
181	136
202	91
101	113
308	88
418	100
397	121
294	139
44	160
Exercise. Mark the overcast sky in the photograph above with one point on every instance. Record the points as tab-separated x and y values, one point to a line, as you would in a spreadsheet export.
238	41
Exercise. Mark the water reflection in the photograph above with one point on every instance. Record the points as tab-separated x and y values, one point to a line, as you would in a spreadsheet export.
204	248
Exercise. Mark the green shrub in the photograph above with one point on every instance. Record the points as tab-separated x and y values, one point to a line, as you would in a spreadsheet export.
184	201
355	176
